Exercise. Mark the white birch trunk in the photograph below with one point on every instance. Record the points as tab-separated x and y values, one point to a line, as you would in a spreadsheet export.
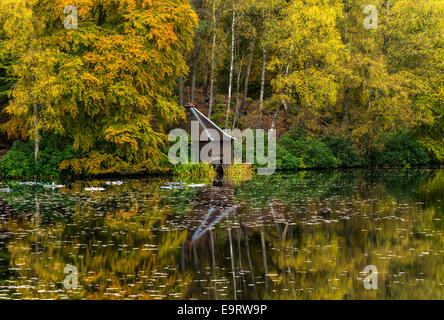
230	85
213	54
261	99
36	119
247	79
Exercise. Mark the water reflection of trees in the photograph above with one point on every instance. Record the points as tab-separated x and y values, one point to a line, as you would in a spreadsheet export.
115	247
301	236
297	240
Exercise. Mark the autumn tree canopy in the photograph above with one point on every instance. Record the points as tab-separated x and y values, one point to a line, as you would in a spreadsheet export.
107	86
111	87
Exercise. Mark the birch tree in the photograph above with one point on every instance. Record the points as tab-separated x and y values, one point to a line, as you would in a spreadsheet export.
261	98
230	85
213	58
247	78
22	29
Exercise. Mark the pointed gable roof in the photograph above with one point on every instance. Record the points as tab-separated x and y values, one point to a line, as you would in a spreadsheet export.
207	124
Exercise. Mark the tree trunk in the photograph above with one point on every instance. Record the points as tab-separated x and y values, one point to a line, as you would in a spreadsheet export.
250	264
36	119
230	85
102	16
386	37
193	83
247	78
205	80
181	90
345	20
230	241
194	74
239	73
346	90
287	70
261	99
36	135
273	125
213	54
345	108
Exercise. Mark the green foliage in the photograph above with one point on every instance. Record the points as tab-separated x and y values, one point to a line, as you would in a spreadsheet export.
318	155
331	74
433	146
344	150
19	161
296	150
286	161
108	88
432	138
5	81
218	115
299	151
400	149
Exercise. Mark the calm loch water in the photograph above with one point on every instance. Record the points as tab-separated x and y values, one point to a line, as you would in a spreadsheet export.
298	236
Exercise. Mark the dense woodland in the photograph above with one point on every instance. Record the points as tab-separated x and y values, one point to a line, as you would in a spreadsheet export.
102	98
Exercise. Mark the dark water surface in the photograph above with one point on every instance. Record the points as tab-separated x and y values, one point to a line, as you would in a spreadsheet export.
298	236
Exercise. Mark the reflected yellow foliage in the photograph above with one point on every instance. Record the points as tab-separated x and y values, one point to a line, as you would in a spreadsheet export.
121	257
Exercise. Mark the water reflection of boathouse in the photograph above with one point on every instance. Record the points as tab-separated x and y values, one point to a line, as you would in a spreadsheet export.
217	198
217	223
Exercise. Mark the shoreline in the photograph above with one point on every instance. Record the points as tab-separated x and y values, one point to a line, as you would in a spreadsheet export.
146	175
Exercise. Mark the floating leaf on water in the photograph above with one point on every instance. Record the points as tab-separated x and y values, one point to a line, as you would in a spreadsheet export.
115	183
196	185
94	189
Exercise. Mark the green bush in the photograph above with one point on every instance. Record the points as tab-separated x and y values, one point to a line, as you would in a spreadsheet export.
296	150
19	161
318	155
344	150
218	115
400	149
286	161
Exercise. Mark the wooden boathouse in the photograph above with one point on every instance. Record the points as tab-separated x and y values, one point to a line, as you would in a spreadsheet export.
211	139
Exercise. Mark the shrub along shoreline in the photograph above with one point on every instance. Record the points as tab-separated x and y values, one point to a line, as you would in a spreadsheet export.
295	151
